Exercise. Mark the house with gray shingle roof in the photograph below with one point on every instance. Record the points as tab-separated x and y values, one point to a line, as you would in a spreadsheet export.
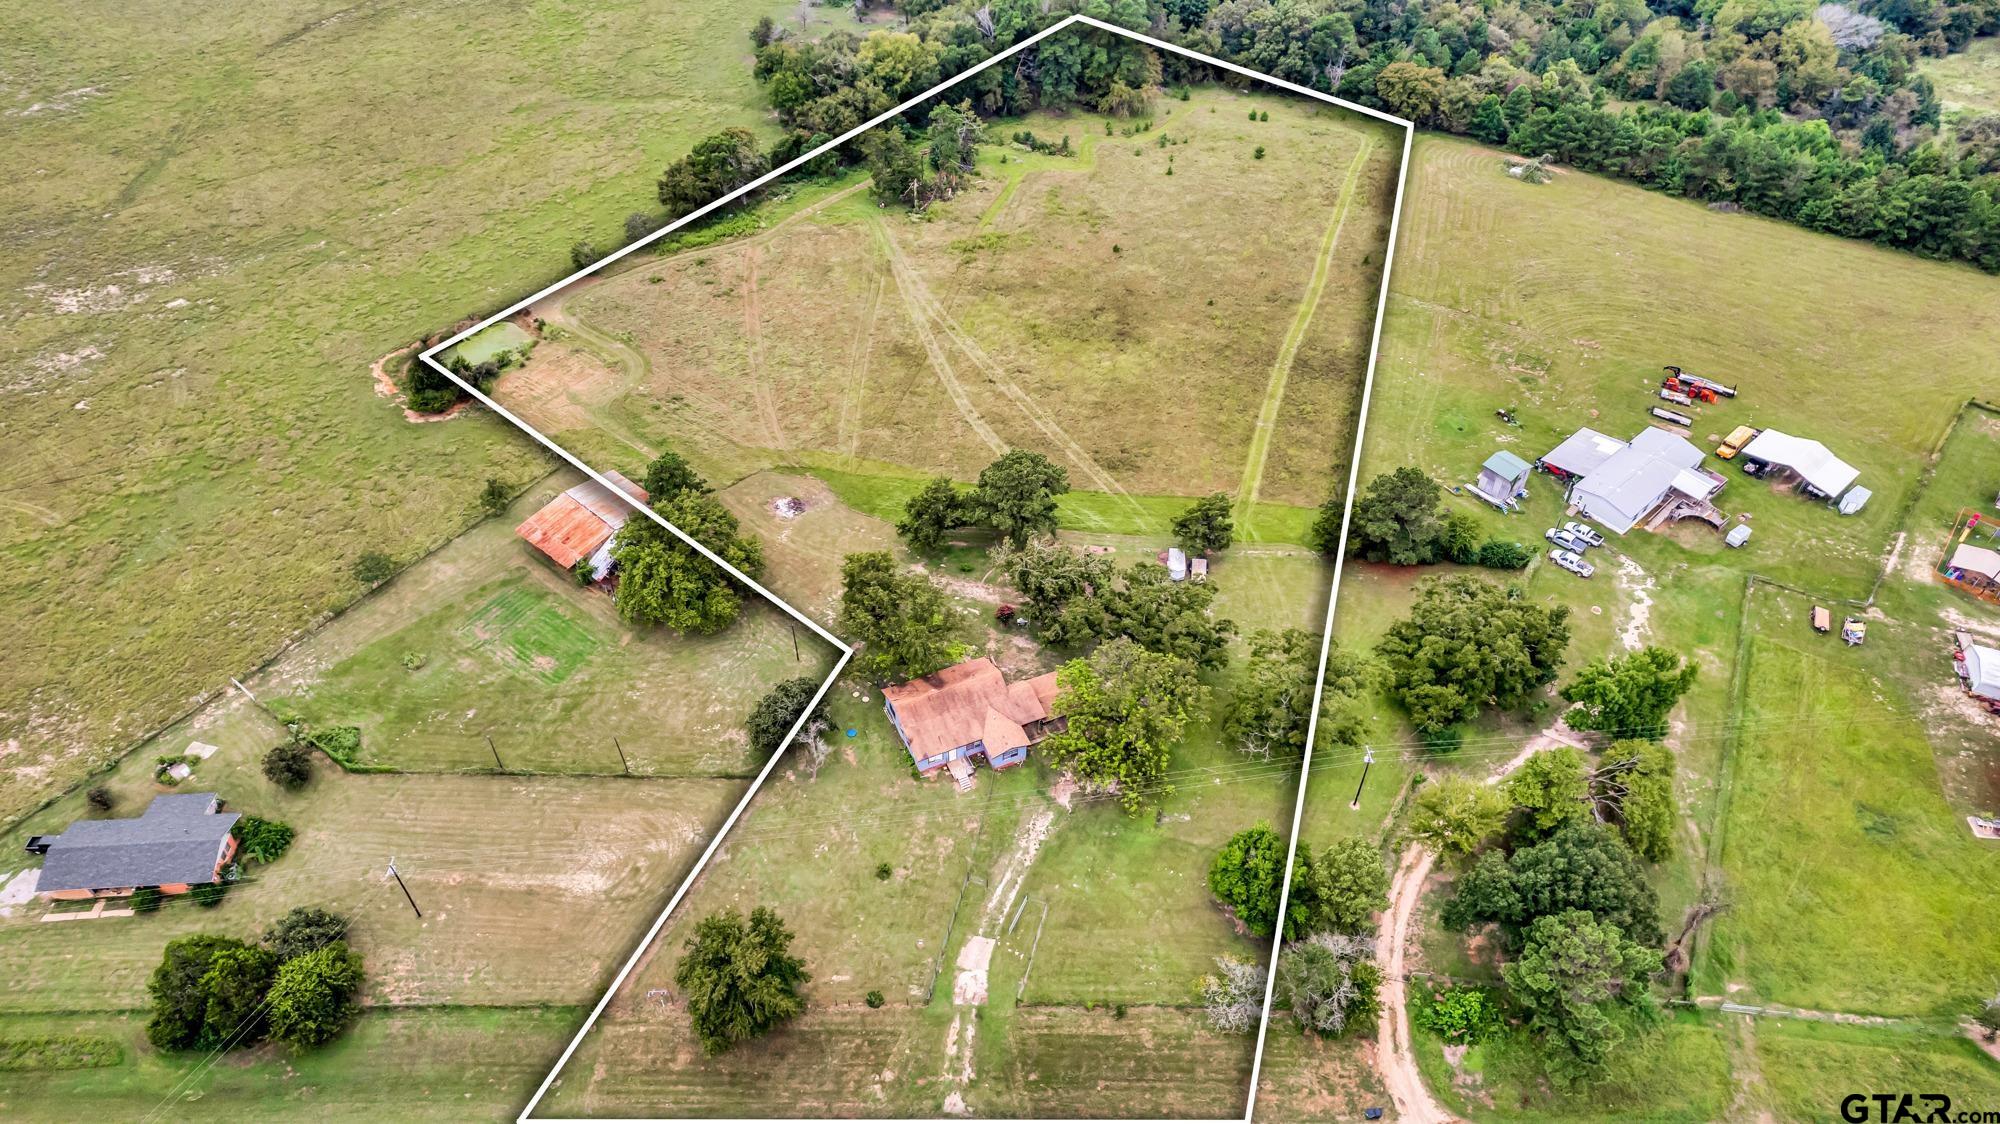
181	841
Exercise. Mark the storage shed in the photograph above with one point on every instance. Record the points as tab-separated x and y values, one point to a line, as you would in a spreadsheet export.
1503	479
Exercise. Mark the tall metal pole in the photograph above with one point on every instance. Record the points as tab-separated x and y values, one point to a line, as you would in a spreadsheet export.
1367	759
406	888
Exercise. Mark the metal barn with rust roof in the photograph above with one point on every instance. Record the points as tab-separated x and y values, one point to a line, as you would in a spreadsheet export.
582	523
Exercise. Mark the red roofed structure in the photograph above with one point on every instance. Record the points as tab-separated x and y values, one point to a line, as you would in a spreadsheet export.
581	523
970	710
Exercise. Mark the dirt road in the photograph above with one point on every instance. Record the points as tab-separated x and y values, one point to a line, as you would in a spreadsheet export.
1395	1058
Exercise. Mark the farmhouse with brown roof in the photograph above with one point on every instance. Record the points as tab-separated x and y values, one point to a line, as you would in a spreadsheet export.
970	710
582	523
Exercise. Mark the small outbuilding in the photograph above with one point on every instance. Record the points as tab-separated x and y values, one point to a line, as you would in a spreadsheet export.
1177	564
1856	498
582	523
1503	479
1738	535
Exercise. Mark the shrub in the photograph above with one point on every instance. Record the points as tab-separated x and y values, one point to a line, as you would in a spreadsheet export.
493	498
638	224
262	840
777	711
312	997
883	871
875	999
582	253
1118	1012
342	743
99	798
1462	1016
145	899
208	895
288	765
207	993
1499	554
1259	154
373	567
305	929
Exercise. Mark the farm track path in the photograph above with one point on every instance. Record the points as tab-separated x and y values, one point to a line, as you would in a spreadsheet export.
554	309
1288	351
1395	1056
855	389
940	362
923	304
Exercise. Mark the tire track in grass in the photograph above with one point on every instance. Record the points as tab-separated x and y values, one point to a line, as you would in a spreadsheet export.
940	362
928	305
848	435
1281	368
753	336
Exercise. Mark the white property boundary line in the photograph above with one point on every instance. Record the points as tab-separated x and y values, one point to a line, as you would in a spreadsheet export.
429	355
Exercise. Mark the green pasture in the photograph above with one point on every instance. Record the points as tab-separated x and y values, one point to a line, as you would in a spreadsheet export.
490	343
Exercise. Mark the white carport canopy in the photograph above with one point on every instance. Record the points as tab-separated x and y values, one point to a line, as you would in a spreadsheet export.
1814	462
1982	670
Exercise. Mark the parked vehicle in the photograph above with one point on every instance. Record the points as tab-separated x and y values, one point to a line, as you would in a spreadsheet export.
1565	541
1573	562
1738	437
1585	532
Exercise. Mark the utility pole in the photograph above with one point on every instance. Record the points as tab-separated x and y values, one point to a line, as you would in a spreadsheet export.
496	754
406	888
621	755
1367	759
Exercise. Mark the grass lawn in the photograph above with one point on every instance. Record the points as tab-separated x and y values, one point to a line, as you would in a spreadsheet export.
506	647
439	1063
224	216
1853	884
1808	1067
490	342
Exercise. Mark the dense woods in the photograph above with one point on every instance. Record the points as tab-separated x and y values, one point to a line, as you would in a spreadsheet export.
1815	114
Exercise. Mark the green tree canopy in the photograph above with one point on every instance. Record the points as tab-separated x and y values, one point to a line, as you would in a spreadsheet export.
1574	970
1338	891
740	978
1125	708
1016	495
664	581
1267	712
1582	866
775	713
719	164
1455	816
1628	696
901	617
935	511
1549	790
1398	519
1206	527
669	474
304	929
1329	983
1074	599
315	995
199	993
1636	782
1466	644
1246	876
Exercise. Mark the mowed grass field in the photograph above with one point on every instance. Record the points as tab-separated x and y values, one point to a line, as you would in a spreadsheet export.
1160	336
507	647
219	218
1562	302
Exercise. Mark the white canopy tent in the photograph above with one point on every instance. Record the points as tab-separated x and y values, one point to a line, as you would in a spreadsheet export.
1814	463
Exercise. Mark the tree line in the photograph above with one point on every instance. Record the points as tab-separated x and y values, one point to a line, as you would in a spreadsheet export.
1812	113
